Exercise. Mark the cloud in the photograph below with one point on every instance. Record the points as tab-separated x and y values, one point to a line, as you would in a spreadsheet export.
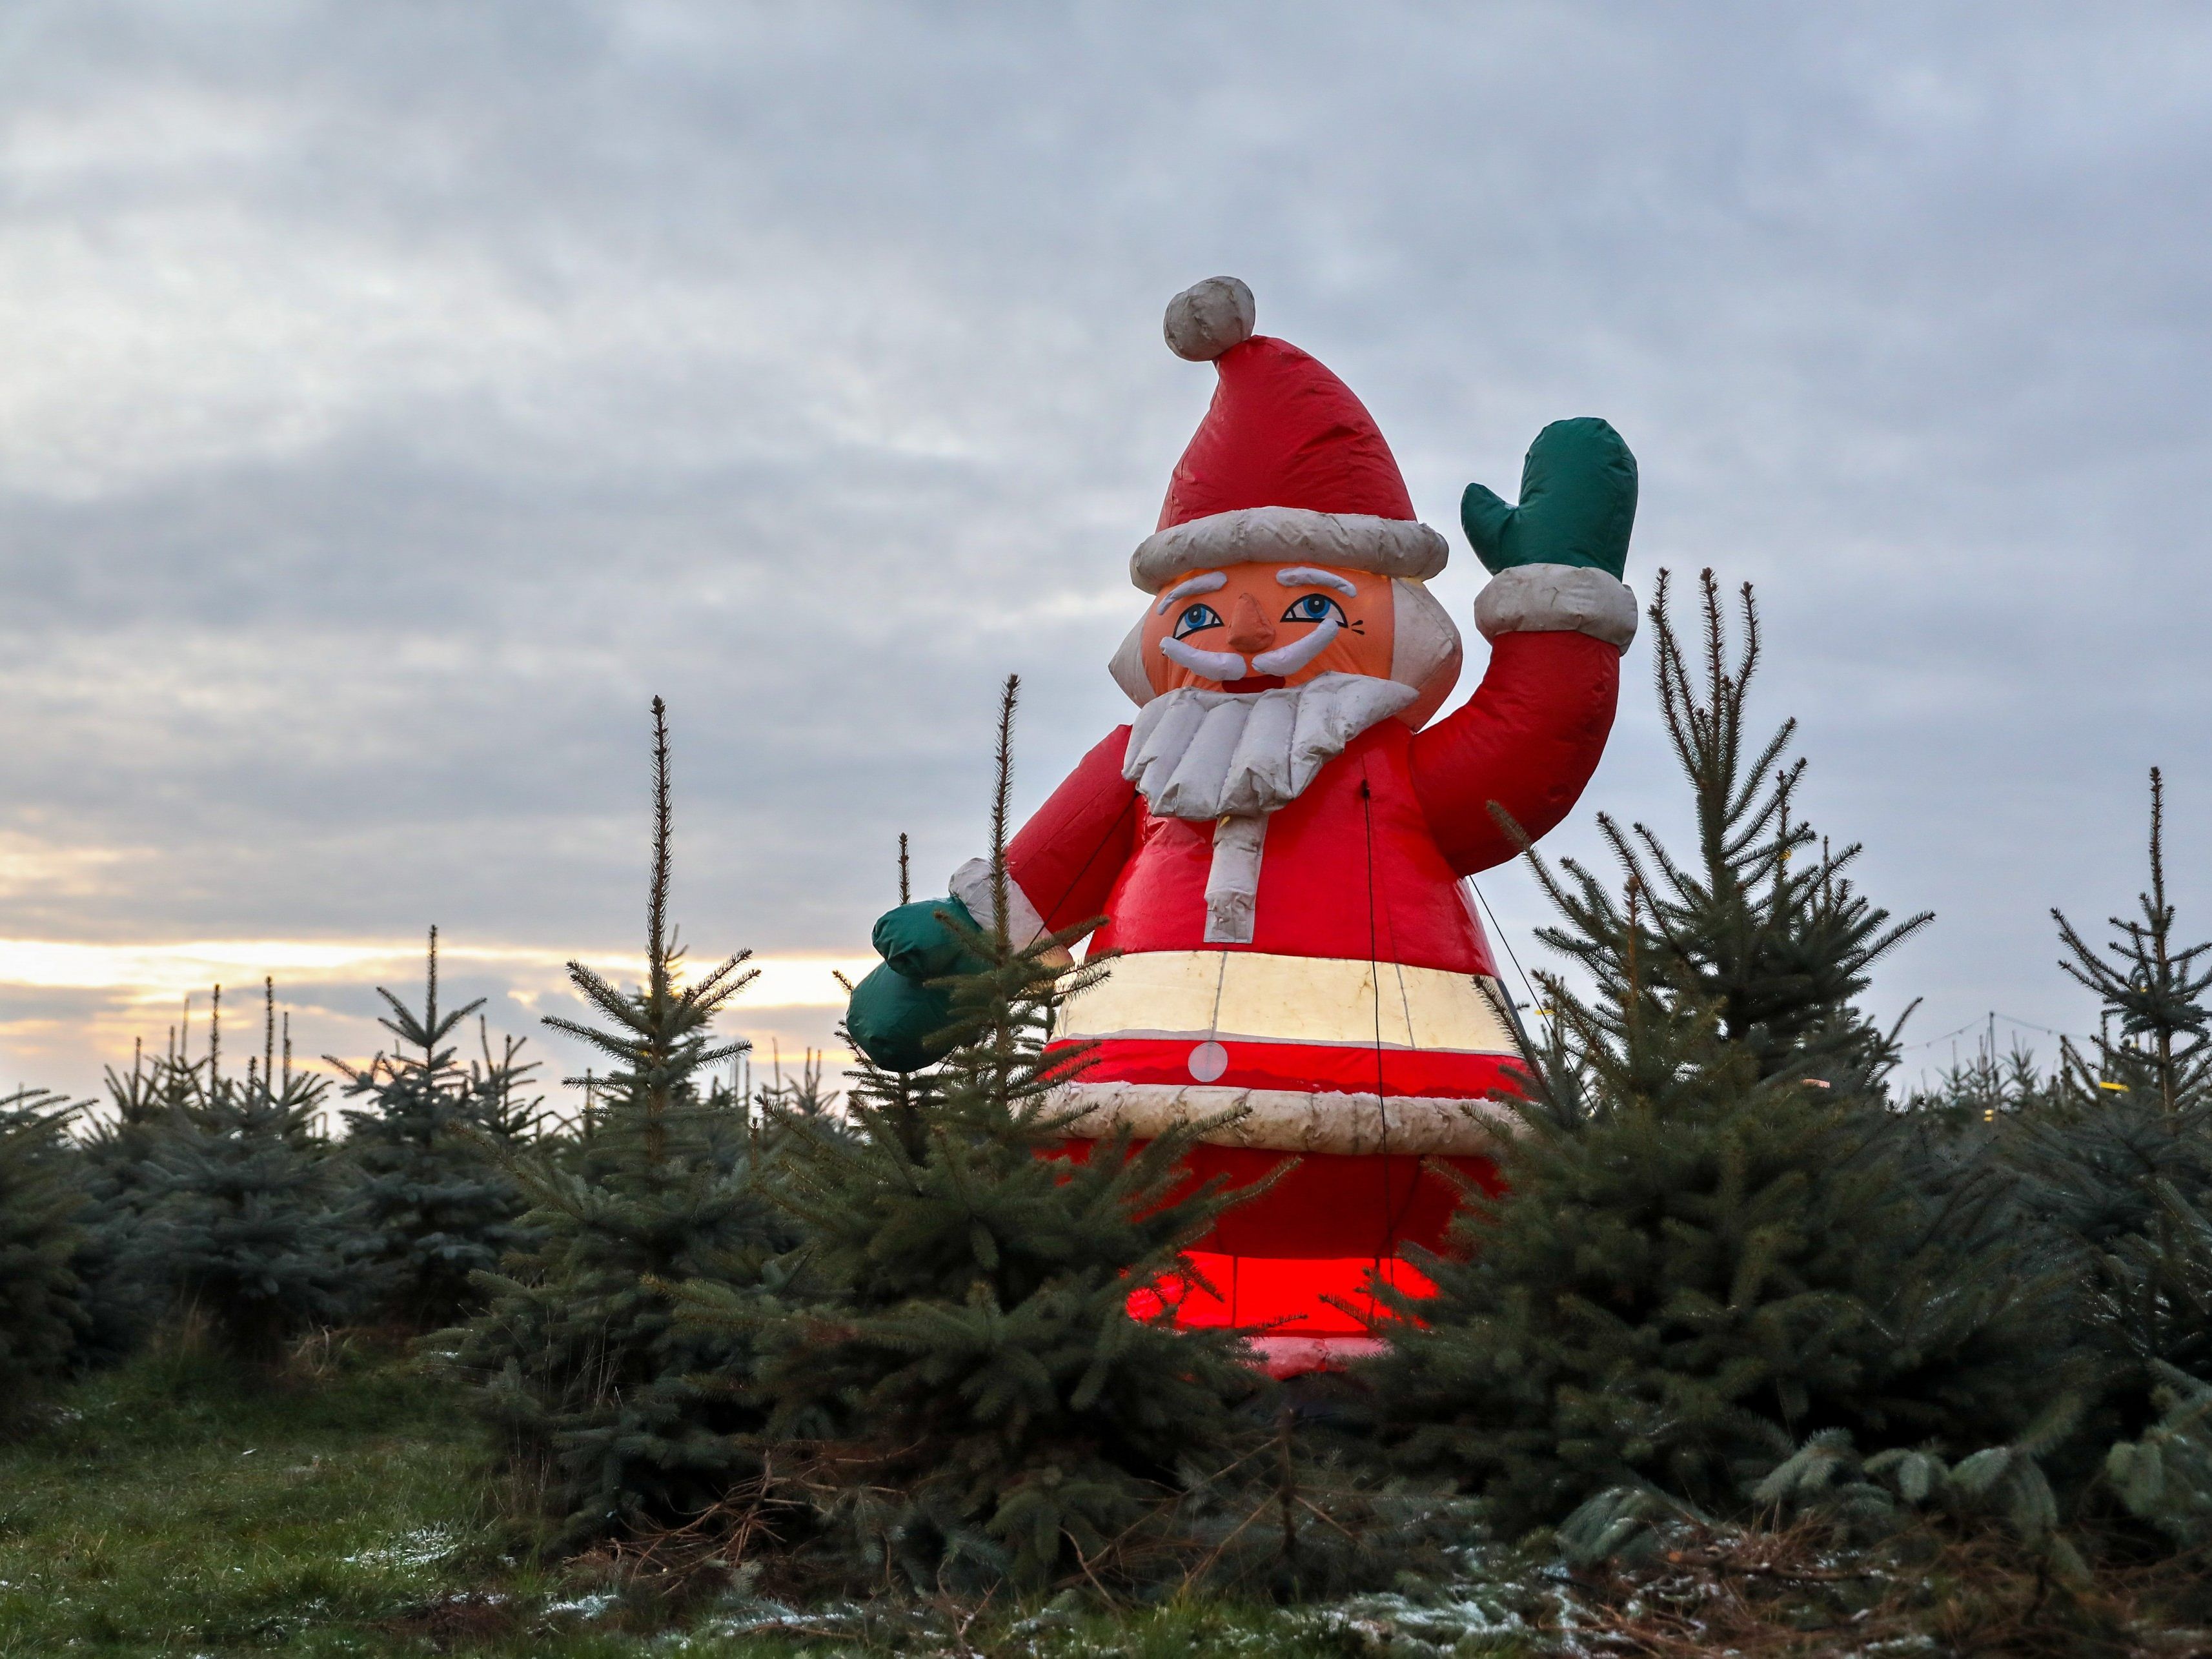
397	399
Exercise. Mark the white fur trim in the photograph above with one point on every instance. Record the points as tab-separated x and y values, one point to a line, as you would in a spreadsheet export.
1289	1121
1127	666
1557	599
971	885
1424	639
1232	880
1207	317
1288	535
1283	1357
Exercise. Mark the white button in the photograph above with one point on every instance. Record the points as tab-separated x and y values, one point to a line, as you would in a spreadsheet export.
1208	1062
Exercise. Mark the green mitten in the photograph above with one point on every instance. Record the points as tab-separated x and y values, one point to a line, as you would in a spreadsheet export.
915	940
891	1019
1578	503
894	1012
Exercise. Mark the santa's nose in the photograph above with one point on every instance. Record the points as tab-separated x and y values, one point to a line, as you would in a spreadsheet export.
1250	629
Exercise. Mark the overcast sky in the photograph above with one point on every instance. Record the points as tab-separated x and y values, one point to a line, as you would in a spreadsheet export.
393	398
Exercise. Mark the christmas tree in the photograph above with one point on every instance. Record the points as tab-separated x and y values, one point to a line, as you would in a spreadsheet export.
2151	990
249	1213
1973	1094
628	1420
1765	925
2118	1164
127	1282
41	1313
435	1202
1713	1240
998	1409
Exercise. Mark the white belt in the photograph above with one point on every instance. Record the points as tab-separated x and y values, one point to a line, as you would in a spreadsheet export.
1258	997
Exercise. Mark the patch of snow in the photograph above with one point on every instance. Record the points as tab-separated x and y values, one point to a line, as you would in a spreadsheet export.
422	1547
586	1607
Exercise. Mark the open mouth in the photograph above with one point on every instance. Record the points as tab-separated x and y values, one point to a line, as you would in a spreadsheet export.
1257	683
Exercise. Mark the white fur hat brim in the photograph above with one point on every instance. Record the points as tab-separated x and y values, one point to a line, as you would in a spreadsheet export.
1288	535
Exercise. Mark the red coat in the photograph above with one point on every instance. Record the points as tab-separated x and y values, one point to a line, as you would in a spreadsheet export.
1359	887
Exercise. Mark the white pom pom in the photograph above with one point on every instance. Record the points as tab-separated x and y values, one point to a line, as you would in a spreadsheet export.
1207	317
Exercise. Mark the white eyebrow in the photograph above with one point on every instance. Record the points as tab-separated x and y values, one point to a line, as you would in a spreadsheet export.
1305	575
1212	582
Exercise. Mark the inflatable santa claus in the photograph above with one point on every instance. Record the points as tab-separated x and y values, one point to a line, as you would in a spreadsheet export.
1280	840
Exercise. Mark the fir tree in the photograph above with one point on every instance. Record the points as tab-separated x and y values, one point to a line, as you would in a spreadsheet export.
1713	1240
802	1094
1976	1093
248	1210
120	1145
122	1281
1002	1411
2165	1478
2152	989
435	1202
127	1283
142	1104
1765	926
42	1316
629	1421
2152	1298
2118	1166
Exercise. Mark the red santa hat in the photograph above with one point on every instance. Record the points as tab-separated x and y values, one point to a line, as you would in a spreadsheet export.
1287	465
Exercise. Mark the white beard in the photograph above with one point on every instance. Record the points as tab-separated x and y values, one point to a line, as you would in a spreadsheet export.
1235	756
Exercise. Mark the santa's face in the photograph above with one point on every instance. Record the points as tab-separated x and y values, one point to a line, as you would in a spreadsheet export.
1253	626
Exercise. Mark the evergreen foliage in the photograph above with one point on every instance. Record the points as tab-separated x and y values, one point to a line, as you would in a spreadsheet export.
2115	1185
119	1148
2117	1164
1764	927
2166	1477
998	1410
437	1204
800	1094
127	1285
1971	1094
2152	989
1715	1240
628	1420
42	1316
248	1208
2152	1298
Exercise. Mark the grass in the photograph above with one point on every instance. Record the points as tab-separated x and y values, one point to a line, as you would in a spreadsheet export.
180	1507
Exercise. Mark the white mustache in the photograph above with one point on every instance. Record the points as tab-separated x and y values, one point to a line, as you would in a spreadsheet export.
1214	665
1289	659
1226	665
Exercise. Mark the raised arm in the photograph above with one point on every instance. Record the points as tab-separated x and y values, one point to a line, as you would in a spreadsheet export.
1558	618
1529	739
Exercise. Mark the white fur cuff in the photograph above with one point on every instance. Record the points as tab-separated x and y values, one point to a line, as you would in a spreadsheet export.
971	885
1557	599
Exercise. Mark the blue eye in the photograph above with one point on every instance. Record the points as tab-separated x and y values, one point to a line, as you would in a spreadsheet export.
1313	608
1197	618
